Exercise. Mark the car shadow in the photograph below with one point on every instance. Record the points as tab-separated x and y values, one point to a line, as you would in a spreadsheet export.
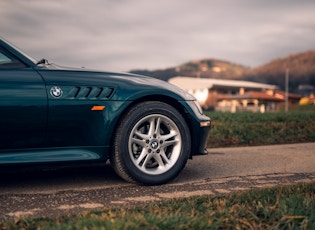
57	176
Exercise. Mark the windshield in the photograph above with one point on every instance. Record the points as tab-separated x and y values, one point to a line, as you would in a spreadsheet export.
19	50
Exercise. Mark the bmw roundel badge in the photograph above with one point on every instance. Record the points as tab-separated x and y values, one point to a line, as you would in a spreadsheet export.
56	91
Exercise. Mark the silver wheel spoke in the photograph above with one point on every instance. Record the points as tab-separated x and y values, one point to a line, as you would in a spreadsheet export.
147	159
164	157
141	135
159	160
155	144
143	154
168	143
139	142
168	136
152	127
157	128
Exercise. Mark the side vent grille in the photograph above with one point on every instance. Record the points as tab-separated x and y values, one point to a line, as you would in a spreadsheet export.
89	93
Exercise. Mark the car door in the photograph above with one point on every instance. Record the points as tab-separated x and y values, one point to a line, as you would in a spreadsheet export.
23	105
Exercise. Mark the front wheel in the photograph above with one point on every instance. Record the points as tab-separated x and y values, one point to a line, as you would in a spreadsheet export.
151	144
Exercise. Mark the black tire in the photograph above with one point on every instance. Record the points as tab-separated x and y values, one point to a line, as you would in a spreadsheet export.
151	144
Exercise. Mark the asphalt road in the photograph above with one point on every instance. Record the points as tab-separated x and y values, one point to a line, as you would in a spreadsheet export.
51	192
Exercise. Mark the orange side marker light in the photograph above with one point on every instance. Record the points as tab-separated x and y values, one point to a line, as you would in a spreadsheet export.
98	108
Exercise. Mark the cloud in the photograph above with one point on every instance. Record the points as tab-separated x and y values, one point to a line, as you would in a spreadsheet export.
125	34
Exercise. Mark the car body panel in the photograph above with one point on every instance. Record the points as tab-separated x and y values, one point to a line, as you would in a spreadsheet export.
42	155
23	109
38	126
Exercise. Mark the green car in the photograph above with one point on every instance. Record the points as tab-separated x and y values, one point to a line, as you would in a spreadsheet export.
147	128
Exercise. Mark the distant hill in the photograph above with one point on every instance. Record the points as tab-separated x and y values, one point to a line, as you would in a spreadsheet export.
205	68
301	71
301	68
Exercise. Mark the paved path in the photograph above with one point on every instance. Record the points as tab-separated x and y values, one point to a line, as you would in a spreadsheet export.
53	192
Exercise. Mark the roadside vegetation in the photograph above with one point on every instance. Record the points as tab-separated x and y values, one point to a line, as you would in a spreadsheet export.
244	129
282	207
285	207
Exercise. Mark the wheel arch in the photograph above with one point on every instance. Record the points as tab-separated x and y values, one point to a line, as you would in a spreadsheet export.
161	98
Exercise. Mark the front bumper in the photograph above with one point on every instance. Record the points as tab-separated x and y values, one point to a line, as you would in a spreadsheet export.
201	137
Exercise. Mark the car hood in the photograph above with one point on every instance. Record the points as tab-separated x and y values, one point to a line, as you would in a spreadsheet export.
137	85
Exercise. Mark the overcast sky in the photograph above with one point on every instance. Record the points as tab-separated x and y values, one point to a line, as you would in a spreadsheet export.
121	35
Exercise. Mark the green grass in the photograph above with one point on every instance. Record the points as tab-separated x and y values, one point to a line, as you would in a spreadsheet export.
284	207
243	129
